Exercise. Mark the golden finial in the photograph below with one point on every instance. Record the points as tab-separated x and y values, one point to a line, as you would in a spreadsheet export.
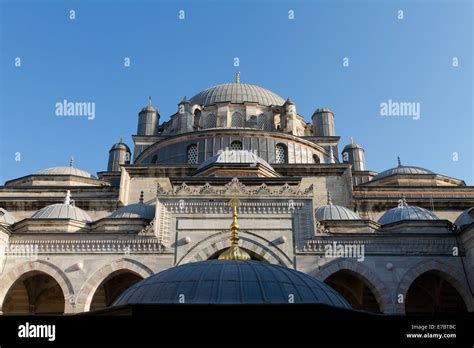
237	76
234	252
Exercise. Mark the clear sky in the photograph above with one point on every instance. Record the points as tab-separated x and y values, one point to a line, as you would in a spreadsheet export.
408	60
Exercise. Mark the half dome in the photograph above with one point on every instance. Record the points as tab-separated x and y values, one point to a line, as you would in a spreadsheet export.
230	282
237	93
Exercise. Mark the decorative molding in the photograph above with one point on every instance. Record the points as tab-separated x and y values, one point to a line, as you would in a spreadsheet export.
235	187
377	246
90	246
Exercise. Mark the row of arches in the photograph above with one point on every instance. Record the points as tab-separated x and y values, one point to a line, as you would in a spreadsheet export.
281	152
237	120
37	292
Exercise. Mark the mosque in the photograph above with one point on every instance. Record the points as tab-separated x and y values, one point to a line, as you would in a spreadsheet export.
154	226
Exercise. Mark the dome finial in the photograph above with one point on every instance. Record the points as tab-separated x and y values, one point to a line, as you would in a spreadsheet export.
67	199
329	198
149	100
399	161
237	76
71	162
402	201
141	197
234	252
352	140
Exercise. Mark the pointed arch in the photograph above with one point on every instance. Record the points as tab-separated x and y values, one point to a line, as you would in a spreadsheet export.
10	279
87	291
455	277
373	282
248	240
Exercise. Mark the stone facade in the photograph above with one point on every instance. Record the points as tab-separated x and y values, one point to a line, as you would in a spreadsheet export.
91	263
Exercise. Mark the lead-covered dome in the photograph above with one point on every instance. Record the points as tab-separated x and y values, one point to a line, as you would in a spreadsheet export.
70	170
466	217
406	212
230	282
402	170
138	210
237	93
334	212
66	210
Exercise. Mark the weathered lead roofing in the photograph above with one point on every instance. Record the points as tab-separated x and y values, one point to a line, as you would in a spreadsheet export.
334	212
66	210
406	212
237	93
466	217
402	170
230	282
65	171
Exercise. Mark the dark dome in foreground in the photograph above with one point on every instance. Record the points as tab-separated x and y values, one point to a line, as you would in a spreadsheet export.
230	282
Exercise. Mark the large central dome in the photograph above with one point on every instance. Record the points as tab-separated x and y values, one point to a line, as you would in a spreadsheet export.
237	93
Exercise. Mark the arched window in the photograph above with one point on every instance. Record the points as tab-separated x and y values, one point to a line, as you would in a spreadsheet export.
316	159
192	154
211	121
280	154
235	145
197	118
237	120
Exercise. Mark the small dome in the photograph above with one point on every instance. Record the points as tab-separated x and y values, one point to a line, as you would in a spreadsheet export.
120	146
138	210
237	93
402	170
71	170
66	210
322	110
235	156
406	212
334	212
149	107
466	217
230	282
6	218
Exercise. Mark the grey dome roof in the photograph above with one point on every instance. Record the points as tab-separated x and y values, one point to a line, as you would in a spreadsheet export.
406	212
6	217
70	170
237	93
466	217
334	212
235	156
352	146
402	170
120	146
230	282
66	210
135	211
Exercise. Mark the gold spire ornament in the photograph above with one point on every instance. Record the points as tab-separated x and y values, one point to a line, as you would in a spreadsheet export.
234	252
237	76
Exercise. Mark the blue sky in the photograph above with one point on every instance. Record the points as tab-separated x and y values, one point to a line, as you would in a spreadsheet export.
407	60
